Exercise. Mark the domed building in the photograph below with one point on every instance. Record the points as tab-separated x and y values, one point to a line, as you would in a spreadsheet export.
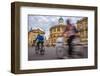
57	31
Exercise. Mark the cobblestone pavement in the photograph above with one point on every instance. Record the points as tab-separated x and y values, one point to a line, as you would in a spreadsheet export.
50	53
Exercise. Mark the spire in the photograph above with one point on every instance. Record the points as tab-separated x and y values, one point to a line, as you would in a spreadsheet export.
30	29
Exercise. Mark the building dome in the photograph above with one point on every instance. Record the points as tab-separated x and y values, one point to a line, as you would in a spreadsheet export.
61	20
56	31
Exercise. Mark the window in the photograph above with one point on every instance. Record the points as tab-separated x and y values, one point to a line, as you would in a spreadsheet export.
58	29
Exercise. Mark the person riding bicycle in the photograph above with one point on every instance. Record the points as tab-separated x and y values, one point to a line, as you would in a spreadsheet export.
71	32
39	41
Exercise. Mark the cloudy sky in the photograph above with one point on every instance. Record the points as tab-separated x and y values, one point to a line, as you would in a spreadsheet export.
45	22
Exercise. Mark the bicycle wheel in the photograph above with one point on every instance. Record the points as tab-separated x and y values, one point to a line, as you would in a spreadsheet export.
42	51
36	50
60	52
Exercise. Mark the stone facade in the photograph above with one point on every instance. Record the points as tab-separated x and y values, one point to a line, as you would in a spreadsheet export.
56	31
82	25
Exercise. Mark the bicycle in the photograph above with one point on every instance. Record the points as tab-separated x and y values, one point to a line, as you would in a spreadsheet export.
39	49
60	50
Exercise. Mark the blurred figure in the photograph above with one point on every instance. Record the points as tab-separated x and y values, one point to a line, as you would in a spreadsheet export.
60	47
60	41
71	32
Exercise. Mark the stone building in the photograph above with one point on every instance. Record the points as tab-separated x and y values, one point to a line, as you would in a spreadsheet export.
82	25
32	34
56	31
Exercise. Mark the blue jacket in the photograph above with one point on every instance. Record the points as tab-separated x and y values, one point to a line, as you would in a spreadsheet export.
40	38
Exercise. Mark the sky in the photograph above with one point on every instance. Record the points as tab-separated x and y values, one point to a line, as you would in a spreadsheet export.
46	22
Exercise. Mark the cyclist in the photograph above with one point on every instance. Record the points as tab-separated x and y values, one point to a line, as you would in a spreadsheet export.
40	42
71	32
